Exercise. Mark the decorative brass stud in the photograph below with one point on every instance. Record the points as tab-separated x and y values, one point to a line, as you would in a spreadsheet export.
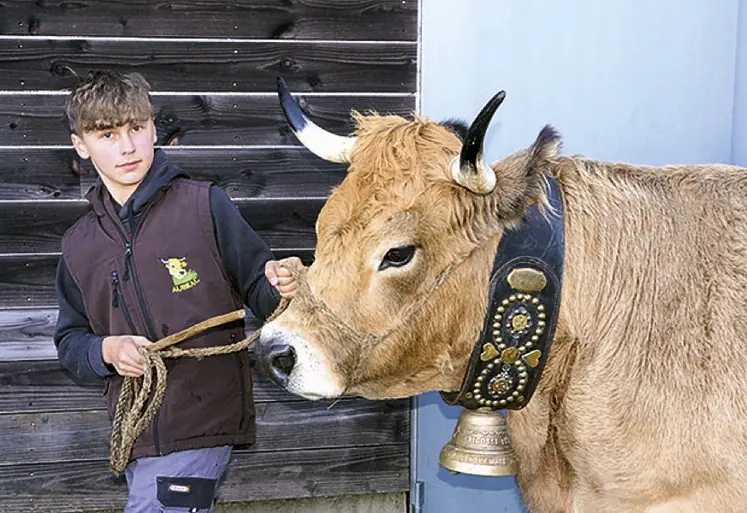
510	355
527	279
499	386
488	352
532	359
519	322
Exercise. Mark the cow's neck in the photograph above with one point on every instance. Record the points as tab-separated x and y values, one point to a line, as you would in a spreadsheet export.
524	300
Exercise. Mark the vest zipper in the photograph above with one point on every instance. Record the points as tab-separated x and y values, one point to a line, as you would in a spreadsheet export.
129	240
130	266
118	299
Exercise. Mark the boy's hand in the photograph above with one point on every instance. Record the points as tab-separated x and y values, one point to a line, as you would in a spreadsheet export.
280	277
121	352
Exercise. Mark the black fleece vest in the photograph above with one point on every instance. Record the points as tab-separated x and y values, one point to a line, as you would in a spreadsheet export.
164	277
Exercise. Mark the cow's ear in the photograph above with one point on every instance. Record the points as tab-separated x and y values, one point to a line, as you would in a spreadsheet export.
520	177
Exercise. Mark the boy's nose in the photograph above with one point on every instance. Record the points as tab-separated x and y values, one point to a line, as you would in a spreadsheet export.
126	145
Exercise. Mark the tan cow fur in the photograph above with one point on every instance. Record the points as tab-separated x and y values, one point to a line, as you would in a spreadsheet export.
642	406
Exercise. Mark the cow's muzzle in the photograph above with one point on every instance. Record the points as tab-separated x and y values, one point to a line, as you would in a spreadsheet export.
276	359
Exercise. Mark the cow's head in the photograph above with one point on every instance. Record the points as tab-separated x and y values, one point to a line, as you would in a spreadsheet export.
395	298
175	266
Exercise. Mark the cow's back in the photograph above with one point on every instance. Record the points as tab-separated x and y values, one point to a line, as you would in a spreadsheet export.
646	390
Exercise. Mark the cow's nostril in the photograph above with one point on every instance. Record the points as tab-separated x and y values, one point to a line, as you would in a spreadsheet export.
285	361
278	360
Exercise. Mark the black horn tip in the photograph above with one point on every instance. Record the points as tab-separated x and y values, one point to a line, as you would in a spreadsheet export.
473	142
293	113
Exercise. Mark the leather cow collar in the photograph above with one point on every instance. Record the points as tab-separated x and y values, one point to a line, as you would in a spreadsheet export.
525	288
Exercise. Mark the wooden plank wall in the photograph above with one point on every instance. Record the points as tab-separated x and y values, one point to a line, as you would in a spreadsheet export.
212	65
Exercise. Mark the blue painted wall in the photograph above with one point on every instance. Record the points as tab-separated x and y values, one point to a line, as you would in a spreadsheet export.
642	81
739	134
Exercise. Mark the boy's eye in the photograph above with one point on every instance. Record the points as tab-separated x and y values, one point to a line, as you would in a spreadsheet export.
137	128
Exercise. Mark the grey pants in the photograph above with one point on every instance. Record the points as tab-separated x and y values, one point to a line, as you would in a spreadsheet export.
179	482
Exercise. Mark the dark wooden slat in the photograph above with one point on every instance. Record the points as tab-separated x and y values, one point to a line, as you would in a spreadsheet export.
83	435
42	386
38	227
27	335
255	19
88	486
38	174
223	66
28	281
196	120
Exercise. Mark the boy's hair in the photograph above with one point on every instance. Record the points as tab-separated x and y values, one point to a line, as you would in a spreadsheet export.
108	99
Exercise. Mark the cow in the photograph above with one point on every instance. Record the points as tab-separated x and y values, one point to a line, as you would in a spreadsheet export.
176	267
641	405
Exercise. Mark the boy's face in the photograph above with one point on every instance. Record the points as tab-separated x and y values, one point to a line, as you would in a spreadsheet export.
122	156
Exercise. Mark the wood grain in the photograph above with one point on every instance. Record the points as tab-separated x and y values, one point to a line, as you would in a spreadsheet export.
28	281
220	66
89	486
197	119
43	386
253	19
27	335
40	174
83	435
38	227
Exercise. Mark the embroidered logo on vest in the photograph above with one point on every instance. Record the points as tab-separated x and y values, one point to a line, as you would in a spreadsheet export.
182	277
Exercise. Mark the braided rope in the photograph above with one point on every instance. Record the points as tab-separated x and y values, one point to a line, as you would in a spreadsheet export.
137	405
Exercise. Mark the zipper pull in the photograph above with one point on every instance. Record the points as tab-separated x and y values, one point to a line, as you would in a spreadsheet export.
128	255
115	289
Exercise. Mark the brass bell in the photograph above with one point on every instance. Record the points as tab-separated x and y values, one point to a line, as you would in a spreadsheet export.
480	445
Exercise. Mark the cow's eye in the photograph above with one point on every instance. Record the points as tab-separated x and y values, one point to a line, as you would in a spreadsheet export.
397	257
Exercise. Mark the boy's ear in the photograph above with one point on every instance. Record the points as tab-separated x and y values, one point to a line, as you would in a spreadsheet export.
80	146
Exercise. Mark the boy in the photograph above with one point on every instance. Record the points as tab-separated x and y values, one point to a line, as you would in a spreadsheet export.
158	253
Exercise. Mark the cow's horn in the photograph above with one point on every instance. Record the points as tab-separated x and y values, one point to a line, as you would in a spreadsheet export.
326	145
470	169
